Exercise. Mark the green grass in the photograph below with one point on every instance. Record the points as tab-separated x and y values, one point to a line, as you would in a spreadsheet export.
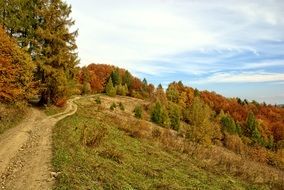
119	161
11	116
52	110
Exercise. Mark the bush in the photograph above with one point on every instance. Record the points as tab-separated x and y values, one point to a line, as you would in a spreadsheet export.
11	114
121	106
159	114
156	132
174	115
122	90
93	136
86	89
234	143
61	102
228	124
110	89
98	100
112	106
138	111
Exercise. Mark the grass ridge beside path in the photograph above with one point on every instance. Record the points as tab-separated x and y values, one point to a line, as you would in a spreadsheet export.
93	152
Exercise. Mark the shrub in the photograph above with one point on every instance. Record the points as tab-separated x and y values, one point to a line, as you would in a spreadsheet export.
61	102
122	90
86	88
138	111
93	136
174	114
156	133
112	106
234	143
159	114
110	89
228	124
98	100
121	106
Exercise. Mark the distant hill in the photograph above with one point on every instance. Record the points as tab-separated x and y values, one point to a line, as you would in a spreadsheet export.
270	119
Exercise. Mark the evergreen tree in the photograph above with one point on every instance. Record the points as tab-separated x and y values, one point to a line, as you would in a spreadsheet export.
127	79
86	81
252	129
110	89
116	78
138	111
228	124
174	115
172	93
55	52
145	83
196	92
19	19
159	114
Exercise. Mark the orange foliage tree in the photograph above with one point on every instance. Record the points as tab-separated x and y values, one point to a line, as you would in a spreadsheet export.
16	71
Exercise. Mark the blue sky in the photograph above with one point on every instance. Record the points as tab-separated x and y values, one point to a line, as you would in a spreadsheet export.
235	48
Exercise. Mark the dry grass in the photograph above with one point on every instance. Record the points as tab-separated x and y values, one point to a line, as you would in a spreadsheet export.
11	115
215	159
112	154
93	136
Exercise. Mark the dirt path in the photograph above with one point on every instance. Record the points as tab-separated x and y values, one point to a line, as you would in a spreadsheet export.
26	151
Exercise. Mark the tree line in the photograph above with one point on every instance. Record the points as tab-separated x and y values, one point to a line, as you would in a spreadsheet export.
212	117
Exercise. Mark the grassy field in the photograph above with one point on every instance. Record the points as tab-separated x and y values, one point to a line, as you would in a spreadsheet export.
52	110
101	149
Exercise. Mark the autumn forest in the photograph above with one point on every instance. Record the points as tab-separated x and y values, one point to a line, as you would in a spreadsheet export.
39	66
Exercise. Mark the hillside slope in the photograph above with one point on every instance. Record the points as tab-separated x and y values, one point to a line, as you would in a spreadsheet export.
99	148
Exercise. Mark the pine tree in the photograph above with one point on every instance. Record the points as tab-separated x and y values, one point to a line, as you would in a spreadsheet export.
228	124
175	116
55	52
116	78
19	18
172	93
159	114
145	83
86	81
252	129
110	89
127	79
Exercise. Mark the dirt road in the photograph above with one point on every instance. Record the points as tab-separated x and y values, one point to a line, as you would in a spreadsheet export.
26	151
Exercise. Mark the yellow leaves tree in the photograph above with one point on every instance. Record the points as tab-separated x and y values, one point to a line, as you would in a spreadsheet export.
200	129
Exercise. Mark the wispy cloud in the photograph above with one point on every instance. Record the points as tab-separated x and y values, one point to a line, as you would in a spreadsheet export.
229	41
243	77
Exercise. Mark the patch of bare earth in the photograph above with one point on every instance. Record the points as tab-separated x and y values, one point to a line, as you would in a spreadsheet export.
26	151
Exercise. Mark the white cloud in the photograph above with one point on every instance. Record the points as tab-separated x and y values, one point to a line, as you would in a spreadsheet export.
242	77
126	31
147	37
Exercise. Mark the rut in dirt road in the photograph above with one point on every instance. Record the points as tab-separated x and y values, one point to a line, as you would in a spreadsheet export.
26	151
